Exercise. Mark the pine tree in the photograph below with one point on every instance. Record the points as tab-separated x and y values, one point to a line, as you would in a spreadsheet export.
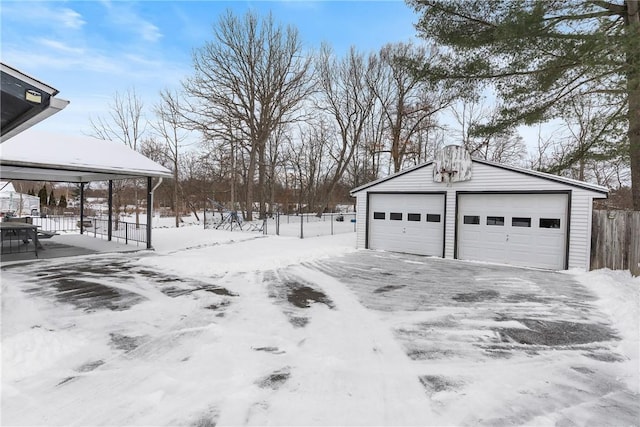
52	200
541	56
42	194
62	202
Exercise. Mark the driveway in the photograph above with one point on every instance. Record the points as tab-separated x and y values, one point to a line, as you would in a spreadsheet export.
366	338
526	344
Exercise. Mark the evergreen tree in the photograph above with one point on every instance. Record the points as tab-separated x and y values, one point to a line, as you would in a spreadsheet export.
43	195
52	200
541	56
62	202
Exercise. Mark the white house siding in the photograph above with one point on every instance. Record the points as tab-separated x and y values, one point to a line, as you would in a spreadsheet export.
489	178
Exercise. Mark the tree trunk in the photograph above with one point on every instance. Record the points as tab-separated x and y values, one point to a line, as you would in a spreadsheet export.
175	194
135	195
395	149
251	171
261	178
633	87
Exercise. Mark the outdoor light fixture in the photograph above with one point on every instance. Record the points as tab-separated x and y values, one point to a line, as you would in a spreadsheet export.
33	96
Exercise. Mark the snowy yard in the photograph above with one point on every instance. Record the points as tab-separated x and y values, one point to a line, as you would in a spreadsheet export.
222	328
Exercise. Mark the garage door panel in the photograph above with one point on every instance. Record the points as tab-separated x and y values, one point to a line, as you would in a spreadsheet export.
495	236
523	239
410	236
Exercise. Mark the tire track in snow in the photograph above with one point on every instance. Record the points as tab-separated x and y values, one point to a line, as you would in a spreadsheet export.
349	370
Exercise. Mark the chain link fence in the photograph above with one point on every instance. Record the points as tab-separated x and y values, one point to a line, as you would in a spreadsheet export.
301	225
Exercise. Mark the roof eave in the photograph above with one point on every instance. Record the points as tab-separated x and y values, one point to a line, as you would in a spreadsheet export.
567	181
55	105
386	178
28	79
27	171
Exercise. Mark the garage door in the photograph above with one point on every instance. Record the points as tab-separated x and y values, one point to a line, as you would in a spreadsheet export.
519	229
409	223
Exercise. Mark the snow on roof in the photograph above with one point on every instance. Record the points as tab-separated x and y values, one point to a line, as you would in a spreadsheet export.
43	156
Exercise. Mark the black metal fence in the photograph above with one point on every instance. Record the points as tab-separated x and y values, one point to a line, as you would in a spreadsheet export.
55	223
310	225
121	231
301	225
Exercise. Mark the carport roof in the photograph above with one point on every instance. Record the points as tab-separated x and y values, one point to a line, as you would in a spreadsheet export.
39	156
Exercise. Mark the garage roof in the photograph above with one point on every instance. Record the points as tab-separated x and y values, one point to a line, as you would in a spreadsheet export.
25	101
39	156
541	175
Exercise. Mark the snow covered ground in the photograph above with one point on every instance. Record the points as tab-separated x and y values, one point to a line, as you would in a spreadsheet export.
231	328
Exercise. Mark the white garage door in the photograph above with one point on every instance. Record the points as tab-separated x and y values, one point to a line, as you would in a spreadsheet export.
409	223
519	229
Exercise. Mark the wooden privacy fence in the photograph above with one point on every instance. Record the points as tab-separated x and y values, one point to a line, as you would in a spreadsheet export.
615	240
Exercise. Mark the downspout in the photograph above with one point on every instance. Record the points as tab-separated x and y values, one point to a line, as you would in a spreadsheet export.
82	208
110	219
150	208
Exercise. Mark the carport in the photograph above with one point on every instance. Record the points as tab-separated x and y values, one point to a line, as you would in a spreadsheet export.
38	156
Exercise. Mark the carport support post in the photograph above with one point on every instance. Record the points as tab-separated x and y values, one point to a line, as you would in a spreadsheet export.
82	208
149	209
110	223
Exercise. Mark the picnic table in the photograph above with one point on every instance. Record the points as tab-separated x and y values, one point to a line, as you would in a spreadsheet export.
16	236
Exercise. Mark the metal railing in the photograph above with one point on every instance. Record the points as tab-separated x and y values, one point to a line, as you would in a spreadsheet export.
55	223
121	231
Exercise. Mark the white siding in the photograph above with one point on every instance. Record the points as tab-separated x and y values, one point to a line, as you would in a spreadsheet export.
490	178
361	219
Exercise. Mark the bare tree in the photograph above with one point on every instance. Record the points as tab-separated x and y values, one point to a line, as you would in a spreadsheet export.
253	73
169	125
582	148
504	146
126	123
408	101
276	150
591	130
345	96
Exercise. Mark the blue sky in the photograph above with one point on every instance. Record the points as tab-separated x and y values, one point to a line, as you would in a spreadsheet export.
88	50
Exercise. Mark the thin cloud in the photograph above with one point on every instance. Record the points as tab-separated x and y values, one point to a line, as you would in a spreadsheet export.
142	61
45	14
60	47
301	4
149	32
122	15
70	18
44	58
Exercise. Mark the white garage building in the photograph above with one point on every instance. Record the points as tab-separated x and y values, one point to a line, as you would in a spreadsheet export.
497	213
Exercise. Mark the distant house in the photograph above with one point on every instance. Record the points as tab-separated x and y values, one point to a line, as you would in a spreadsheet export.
13	203
496	213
